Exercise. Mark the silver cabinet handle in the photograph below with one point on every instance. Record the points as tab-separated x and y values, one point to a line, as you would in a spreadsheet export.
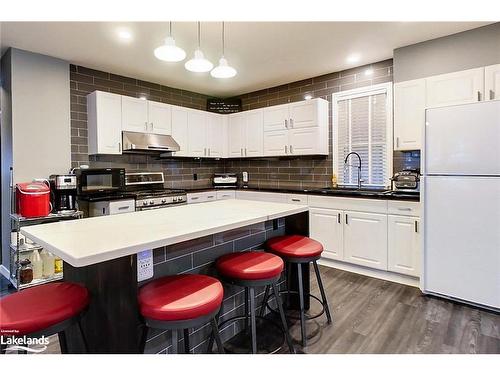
286	123
404	208
146	125
194	198
416	226
295	200
241	151
479	96
291	149
124	208
397	142
245	151
338	218
209	151
119	146
286	149
210	196
291	122
152	126
492	94
346	219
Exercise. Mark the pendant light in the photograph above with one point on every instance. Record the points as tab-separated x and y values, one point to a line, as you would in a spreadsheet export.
198	64
223	70
169	51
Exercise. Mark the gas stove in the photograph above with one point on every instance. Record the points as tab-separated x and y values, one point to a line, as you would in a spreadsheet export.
147	187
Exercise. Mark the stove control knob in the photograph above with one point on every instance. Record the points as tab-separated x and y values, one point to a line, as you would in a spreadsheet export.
144	203
163	200
174	199
180	199
151	202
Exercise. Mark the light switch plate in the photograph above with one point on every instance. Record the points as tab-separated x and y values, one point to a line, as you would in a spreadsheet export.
144	265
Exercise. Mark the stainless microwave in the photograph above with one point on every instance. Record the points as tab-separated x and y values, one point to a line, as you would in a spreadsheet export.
96	181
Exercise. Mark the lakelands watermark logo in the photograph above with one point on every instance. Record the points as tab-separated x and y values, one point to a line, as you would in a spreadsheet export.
29	344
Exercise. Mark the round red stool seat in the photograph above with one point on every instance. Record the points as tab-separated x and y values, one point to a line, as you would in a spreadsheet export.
180	297
250	265
294	246
35	309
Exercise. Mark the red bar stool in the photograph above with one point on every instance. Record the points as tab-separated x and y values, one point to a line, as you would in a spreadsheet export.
295	249
253	269
181	302
43	311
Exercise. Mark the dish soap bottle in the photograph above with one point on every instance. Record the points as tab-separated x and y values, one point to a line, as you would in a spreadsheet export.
37	263
334	181
48	263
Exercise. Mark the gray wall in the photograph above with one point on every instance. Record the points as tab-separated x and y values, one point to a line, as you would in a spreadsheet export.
35	122
465	50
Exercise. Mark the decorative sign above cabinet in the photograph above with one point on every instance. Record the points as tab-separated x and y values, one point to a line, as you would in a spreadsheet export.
224	106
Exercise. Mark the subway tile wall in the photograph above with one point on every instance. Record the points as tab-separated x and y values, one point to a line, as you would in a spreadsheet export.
198	256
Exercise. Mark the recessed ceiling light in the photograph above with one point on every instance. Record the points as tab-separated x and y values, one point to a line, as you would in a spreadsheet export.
125	35
368	72
354	58
308	97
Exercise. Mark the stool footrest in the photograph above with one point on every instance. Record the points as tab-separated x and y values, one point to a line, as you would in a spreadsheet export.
298	318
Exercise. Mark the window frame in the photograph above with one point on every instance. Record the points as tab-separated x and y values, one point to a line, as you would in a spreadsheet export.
382	88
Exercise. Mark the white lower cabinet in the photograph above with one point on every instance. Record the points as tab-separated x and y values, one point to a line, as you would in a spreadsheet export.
326	227
404	245
365	239
226	195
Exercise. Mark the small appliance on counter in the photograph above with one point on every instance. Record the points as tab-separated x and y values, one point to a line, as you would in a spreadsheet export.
245	179
225	180
100	181
406	182
63	193
33	199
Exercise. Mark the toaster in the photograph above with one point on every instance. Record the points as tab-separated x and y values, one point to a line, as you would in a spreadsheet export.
225	180
407	180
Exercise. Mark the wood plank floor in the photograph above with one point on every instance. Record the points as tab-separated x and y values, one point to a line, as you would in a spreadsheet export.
377	316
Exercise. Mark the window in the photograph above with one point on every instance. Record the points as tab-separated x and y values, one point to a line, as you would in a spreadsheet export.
362	123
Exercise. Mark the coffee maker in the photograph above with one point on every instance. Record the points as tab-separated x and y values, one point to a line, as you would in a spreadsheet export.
63	193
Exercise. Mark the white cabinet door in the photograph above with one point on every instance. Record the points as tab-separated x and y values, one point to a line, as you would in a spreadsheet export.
303	114
180	129
304	141
104	124
254	133
409	114
492	82
462	87
135	114
276	118
197	134
216	136
276	143
403	251
160	118
365	239
326	227
236	135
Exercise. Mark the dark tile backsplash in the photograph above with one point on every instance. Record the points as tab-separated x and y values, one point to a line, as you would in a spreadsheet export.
270	172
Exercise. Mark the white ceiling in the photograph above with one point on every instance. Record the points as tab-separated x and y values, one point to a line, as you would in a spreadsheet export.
264	53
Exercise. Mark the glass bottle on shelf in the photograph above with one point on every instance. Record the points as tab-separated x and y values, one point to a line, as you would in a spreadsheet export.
48	263
58	264
37	264
26	272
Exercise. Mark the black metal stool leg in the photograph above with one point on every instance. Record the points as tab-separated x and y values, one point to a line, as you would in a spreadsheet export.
144	337
302	309
246	309
322	290
252	320
175	341
283	319
216	334
62	342
264	301
186	341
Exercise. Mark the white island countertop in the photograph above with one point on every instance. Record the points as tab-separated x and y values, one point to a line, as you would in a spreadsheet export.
98	239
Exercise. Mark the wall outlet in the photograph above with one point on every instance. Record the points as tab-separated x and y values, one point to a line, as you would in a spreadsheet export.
144	265
195	176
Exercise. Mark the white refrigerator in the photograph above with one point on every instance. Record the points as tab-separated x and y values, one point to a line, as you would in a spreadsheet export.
461	203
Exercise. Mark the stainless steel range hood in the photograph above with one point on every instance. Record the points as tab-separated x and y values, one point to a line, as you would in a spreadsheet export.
148	143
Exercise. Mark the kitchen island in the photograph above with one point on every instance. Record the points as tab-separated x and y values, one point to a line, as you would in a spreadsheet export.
101	253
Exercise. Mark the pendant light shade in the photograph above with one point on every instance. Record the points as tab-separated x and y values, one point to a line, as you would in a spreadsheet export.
223	70
198	63
169	51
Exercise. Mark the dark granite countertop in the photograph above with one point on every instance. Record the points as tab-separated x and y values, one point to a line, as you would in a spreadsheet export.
339	192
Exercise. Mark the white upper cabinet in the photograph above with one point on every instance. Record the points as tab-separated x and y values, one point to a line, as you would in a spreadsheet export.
197	134
180	129
462	87
304	141
403	250
236	129
104	123
276	143
492	82
254	133
360	226
216	135
276	117
303	114
409	114
160	118
135	114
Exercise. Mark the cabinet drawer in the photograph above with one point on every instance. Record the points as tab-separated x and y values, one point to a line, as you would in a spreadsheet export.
261	196
120	207
211	195
297	199
350	204
226	195
197	197
403	208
